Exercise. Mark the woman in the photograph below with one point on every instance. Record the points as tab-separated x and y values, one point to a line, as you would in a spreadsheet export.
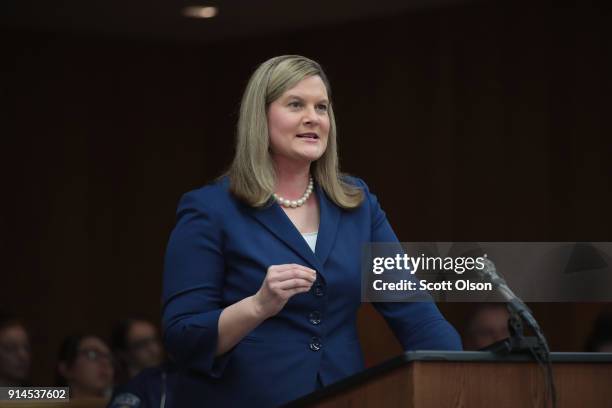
262	271
86	367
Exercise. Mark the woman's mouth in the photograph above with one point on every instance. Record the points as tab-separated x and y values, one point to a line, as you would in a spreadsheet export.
312	136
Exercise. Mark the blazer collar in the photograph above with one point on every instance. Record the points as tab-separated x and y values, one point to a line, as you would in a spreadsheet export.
274	219
329	219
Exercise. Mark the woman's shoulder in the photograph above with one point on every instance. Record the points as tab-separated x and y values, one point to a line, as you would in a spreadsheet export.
355	181
351	180
370	199
214	194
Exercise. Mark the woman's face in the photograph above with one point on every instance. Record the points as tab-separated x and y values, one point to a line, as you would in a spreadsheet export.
298	121
92	370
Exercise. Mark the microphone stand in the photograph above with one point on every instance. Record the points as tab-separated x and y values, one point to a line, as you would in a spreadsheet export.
519	343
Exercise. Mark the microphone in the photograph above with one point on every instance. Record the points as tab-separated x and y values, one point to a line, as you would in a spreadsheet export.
519	311
516	303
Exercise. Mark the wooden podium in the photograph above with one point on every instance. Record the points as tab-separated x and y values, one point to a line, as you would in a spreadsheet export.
475	379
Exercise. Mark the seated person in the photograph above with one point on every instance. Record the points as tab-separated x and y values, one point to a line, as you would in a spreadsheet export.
152	388
136	346
600	340
86	366
488	324
15	356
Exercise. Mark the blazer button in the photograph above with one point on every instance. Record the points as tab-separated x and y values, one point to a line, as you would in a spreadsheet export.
315	344
318	290
314	317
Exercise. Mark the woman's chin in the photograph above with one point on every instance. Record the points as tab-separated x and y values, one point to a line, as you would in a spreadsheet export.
310	154
302	155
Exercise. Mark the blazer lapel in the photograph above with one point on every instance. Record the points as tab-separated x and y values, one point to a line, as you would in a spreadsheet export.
277	222
328	225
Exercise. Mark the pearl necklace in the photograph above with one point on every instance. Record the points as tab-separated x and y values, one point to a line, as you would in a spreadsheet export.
295	203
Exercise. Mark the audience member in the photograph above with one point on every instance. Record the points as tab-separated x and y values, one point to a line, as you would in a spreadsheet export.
86	366
136	345
152	388
488	324
15	356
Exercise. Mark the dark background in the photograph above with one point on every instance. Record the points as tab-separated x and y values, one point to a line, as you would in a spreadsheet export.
477	121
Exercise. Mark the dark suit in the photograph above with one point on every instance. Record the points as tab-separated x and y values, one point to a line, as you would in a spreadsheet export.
219	253
151	388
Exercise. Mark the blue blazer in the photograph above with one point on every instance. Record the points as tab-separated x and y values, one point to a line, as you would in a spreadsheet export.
219	253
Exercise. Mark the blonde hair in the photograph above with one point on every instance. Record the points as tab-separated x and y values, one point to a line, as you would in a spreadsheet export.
251	174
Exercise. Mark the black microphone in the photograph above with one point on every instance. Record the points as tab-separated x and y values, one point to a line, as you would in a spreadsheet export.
519	311
516	303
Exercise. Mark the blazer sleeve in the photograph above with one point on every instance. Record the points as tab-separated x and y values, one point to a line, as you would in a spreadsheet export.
193	280
417	325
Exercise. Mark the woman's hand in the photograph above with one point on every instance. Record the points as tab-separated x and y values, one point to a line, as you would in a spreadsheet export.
282	282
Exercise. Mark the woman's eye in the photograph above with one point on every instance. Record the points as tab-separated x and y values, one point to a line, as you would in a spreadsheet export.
294	104
322	107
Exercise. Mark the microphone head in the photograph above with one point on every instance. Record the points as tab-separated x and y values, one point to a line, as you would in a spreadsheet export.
488	269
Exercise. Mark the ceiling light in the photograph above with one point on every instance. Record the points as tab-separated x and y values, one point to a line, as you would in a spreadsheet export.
200	12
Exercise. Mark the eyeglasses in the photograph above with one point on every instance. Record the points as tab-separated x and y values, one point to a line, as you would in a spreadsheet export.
96	355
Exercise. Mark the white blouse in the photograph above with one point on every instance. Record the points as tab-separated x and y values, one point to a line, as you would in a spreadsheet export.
311	239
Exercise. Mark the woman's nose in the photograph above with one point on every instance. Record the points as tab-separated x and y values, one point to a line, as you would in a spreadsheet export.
310	116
